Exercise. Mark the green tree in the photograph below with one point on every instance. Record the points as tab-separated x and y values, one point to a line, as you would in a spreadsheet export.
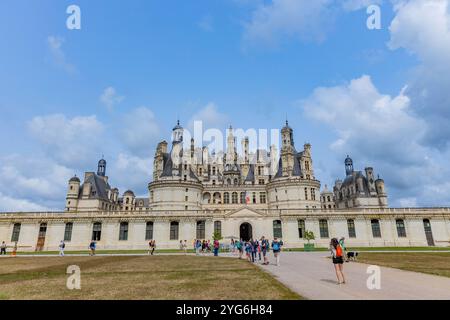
309	235
217	235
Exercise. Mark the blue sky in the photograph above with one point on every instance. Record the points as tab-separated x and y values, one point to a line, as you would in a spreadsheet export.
117	86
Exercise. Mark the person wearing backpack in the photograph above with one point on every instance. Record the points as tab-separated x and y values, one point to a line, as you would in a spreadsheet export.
62	245
337	255
238	245
216	246
264	248
276	247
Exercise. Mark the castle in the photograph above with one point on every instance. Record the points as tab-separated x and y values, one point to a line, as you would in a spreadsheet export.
195	192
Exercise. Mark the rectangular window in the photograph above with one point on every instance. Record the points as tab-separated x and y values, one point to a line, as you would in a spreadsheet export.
401	230
97	231
301	229
149	230
123	232
201	229
218	228
306	193
16	232
174	230
323	226
351	228
277	231
254	197
313	194
376	231
262	197
68	231
261	181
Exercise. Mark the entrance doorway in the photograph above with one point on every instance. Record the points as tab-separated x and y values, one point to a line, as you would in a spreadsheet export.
41	237
428	232
245	231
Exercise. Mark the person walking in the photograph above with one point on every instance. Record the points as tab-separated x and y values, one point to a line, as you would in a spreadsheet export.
258	249
185	247
181	247
153	246
264	248
3	248
248	251
276	247
92	247
254	244
338	260
216	245
239	245
62	246
198	247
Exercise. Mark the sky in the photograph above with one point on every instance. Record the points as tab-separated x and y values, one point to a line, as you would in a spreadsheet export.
117	86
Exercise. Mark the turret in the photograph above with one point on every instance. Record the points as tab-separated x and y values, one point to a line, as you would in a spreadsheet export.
348	166
101	169
73	192
381	191
371	180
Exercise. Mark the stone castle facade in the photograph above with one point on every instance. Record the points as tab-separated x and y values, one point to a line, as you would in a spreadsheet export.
195	192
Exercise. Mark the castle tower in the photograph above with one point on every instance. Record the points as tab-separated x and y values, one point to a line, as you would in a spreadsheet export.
287	150
371	181
73	192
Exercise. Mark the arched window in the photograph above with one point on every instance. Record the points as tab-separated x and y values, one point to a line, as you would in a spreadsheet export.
16	232
149	230
401	230
97	231
226	198
218	228
206	197
123	231
323	228
243	197
68	231
234	197
235	181
277	232
201	229
174	230
376	230
228	181
351	228
301	229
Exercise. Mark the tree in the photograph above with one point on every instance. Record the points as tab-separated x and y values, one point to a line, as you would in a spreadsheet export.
309	235
217	235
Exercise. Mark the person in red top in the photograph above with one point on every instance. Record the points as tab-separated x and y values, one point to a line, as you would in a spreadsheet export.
216	245
338	260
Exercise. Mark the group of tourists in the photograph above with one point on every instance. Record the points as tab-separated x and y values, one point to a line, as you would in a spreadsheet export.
205	246
256	250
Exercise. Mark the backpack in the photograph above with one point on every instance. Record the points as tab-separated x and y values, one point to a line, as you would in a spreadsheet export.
63	245
276	246
338	251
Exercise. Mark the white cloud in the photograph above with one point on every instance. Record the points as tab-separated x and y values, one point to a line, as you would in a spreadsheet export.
59	58
132	172
422	28
110	98
140	131
382	131
73	141
302	19
10	204
210	116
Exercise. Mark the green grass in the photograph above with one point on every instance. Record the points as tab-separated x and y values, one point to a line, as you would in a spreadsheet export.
139	278
436	263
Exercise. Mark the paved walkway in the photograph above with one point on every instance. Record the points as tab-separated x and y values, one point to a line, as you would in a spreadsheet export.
312	275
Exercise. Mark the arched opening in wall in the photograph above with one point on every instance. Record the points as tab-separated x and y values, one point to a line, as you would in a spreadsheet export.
428	232
217	198
234	197
206	198
245	231
41	236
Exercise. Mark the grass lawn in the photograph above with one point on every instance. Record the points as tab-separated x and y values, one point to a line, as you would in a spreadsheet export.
437	263
139	277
